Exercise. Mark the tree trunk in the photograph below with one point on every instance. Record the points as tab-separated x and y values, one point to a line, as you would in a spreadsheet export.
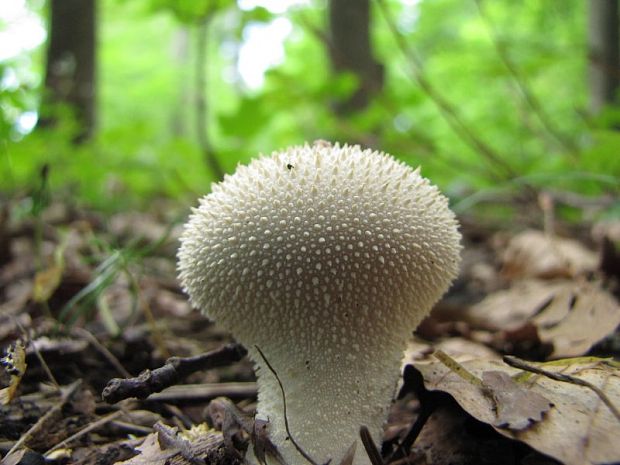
71	66
351	50
604	53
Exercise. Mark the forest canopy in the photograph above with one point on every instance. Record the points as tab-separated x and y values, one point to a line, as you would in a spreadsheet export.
495	100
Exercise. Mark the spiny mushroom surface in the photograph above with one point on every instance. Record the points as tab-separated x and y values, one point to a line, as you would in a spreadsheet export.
326	257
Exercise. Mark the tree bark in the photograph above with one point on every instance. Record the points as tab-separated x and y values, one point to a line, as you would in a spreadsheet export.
351	50
71	64
604	53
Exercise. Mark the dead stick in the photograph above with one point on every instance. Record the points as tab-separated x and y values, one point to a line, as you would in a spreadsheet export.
66	395
370	446
149	382
97	424
44	365
109	356
523	365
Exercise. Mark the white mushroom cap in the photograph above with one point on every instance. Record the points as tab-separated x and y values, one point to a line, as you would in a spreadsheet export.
326	258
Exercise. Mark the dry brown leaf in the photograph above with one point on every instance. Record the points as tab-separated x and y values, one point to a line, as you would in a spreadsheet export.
572	316
517	408
580	429
150	453
509	309
457	347
579	316
539	255
197	445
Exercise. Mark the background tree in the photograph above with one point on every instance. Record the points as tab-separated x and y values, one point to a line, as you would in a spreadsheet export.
350	49
70	71
487	97
604	53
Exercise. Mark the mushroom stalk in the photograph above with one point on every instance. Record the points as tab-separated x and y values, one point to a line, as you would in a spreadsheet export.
325	257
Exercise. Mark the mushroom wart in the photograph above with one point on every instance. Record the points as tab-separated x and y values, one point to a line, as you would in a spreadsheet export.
326	257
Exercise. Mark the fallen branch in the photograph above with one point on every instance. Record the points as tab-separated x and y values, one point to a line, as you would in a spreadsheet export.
524	365
176	368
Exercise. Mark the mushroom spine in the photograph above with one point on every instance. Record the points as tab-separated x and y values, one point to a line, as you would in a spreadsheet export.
326	257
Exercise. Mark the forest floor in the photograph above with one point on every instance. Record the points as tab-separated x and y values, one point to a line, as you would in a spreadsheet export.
86	298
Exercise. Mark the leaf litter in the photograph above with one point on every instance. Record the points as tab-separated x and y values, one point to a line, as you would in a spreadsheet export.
563	420
516	295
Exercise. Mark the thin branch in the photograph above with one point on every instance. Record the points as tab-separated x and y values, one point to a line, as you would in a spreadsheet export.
93	426
66	395
202	107
288	431
447	110
370	446
109	356
37	352
523	365
149	382
524	88
191	393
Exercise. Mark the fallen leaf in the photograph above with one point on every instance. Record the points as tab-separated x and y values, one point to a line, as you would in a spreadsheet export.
509	309
517	408
151	453
199	444
536	254
457	347
14	363
580	315
46	282
580	429
571	316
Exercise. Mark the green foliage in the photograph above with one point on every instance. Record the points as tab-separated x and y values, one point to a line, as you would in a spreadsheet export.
191	11
513	76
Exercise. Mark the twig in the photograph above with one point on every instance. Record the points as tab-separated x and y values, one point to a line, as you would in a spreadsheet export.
95	425
175	411
42	361
132	428
109	356
523	365
66	395
430	401
149	382
199	392
370	447
288	431
458	369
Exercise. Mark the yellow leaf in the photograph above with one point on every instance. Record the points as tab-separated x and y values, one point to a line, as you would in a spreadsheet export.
14	363
46	282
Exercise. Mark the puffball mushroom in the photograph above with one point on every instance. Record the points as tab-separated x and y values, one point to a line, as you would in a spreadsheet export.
326	258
